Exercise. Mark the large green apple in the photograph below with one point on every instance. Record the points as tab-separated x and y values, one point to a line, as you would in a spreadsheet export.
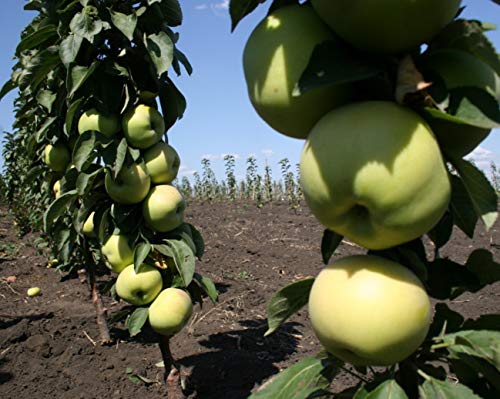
163	208
57	157
88	226
107	125
369	311
275	55
143	126
139	288
117	252
131	186
387	26
162	163
373	172
459	69
170	311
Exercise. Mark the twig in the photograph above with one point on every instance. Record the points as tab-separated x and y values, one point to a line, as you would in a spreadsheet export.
90	339
101	311
172	370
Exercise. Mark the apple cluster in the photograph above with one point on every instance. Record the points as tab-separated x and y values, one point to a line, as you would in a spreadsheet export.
149	183
372	170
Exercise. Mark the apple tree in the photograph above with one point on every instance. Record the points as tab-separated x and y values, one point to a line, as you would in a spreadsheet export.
389	99
96	100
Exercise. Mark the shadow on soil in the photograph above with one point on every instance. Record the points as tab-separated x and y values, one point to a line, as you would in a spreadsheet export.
239	360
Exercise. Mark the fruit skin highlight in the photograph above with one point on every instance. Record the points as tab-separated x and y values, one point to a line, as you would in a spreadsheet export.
143	126
131	186
275	55
163	208
386	26
162	163
373	172
369	311
108	125
139	288
57	157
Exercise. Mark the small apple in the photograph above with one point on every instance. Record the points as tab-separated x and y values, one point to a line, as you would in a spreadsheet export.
373	172
57	157
143	126
131	186
369	311
117	252
389	26
56	188
459	69
33	291
163	208
107	125
139	288
88	226
170	311
275	56
162	163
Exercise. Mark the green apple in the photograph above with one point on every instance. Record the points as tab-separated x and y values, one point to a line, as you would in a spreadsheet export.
275	56
117	252
373	172
139	288
56	188
387	26
369	311
143	126
131	186
57	157
170	311
107	125
459	69
163	208
162	163
88	226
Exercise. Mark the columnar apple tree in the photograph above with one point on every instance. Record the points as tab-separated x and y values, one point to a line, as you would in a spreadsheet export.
96	98
386	124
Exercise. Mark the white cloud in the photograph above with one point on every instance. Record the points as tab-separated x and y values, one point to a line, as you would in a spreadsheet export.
218	157
482	157
223	5
267	152
201	7
185	171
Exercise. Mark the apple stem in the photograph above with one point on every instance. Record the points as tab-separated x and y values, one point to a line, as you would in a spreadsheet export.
422	374
101	311
172	370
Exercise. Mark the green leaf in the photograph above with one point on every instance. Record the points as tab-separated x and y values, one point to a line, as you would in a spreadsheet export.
85	181
483	344
198	241
161	50
70	115
482	194
173	103
474	107
333	63
183	258
180	57
121	153
441	233
126	24
208	286
7	87
329	243
87	23
389	389
37	38
84	148
239	9
57	208
447	279
299	381
46	99
141	252
137	320
69	48
77	77
171	10
467	36
286	302
436	389
461	207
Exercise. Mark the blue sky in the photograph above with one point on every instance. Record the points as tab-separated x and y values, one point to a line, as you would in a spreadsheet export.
219	119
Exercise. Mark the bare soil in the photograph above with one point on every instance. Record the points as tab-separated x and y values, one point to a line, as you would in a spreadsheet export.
47	343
